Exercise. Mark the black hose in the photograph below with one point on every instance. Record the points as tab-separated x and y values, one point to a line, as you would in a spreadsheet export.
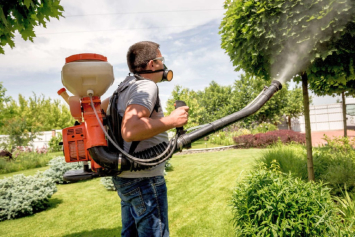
225	121
109	159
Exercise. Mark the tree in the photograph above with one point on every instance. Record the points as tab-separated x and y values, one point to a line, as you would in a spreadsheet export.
284	39
216	101
3	100
294	106
190	98
331	87
247	88
23	16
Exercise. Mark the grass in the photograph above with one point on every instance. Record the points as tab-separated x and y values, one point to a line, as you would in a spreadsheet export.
200	144
199	192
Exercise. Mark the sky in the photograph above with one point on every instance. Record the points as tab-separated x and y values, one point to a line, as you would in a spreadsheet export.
187	32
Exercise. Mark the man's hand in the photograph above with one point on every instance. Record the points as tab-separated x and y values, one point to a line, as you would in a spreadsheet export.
138	126
179	116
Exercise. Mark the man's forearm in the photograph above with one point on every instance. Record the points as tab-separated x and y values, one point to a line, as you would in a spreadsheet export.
138	129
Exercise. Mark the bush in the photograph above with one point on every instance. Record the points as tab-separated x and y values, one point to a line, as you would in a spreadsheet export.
263	128
23	159
108	184
24	195
334	164
291	158
263	140
270	203
54	143
346	207
57	168
225	138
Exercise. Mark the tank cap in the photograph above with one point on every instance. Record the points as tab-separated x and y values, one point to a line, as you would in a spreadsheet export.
85	56
61	91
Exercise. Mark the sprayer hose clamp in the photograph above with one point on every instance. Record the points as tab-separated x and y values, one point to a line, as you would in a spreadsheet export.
119	162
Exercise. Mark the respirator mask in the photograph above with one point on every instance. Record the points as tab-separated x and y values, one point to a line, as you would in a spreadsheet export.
167	74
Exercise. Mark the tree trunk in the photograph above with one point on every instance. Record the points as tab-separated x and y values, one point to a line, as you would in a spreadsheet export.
289	122
344	114
308	127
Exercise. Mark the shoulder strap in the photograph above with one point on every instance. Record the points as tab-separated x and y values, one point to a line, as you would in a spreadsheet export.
134	144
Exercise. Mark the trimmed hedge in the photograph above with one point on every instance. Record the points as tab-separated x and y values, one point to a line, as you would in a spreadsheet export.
24	195
262	140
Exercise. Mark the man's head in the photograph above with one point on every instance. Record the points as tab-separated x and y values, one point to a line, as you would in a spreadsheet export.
145	59
139	55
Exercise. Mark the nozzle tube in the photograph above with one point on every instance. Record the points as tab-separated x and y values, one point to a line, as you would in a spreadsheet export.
225	121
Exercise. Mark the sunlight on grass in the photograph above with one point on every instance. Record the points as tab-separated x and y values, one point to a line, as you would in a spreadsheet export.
199	191
200	144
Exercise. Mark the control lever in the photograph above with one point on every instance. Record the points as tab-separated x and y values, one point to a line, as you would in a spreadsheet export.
180	130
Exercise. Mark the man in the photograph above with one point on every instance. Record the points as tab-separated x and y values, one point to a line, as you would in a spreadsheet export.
143	193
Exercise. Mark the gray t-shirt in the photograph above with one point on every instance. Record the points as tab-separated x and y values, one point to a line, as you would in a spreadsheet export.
142	92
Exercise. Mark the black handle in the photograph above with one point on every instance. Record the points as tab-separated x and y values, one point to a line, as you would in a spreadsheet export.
177	104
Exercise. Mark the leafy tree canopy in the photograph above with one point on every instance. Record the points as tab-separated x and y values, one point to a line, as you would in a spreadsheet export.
282	38
23	16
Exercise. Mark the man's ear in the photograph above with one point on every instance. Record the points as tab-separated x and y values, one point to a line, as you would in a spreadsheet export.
150	65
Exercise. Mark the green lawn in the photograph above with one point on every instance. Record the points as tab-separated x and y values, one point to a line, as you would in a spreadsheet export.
199	191
199	144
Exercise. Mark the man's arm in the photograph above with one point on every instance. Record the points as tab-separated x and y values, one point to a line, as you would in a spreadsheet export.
138	126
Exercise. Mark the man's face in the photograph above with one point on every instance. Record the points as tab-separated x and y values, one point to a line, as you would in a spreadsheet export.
157	65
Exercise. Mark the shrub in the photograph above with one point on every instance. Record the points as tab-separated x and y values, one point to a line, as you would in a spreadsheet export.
225	138
291	158
263	140
346	207
57	168
334	164
24	195
108	184
54	143
263	128
23	159
270	203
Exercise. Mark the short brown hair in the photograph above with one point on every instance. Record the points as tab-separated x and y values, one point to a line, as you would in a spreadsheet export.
139	55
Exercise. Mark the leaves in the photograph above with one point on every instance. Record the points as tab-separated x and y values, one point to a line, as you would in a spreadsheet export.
22	120
270	203
277	34
23	16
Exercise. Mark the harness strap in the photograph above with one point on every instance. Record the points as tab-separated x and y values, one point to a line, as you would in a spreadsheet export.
119	90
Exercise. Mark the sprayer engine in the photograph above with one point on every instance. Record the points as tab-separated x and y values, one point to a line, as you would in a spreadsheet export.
88	76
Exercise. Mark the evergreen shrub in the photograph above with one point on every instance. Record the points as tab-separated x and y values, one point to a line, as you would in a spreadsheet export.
108	184
57	168
262	140
24	195
271	203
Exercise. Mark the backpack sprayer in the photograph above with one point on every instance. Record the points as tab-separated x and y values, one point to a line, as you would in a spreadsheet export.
87	77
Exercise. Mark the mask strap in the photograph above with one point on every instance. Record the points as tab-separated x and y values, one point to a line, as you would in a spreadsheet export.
150	71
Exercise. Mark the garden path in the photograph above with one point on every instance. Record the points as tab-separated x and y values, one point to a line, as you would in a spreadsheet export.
317	136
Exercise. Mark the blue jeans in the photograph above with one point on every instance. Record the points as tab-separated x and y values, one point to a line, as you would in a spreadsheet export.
144	206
